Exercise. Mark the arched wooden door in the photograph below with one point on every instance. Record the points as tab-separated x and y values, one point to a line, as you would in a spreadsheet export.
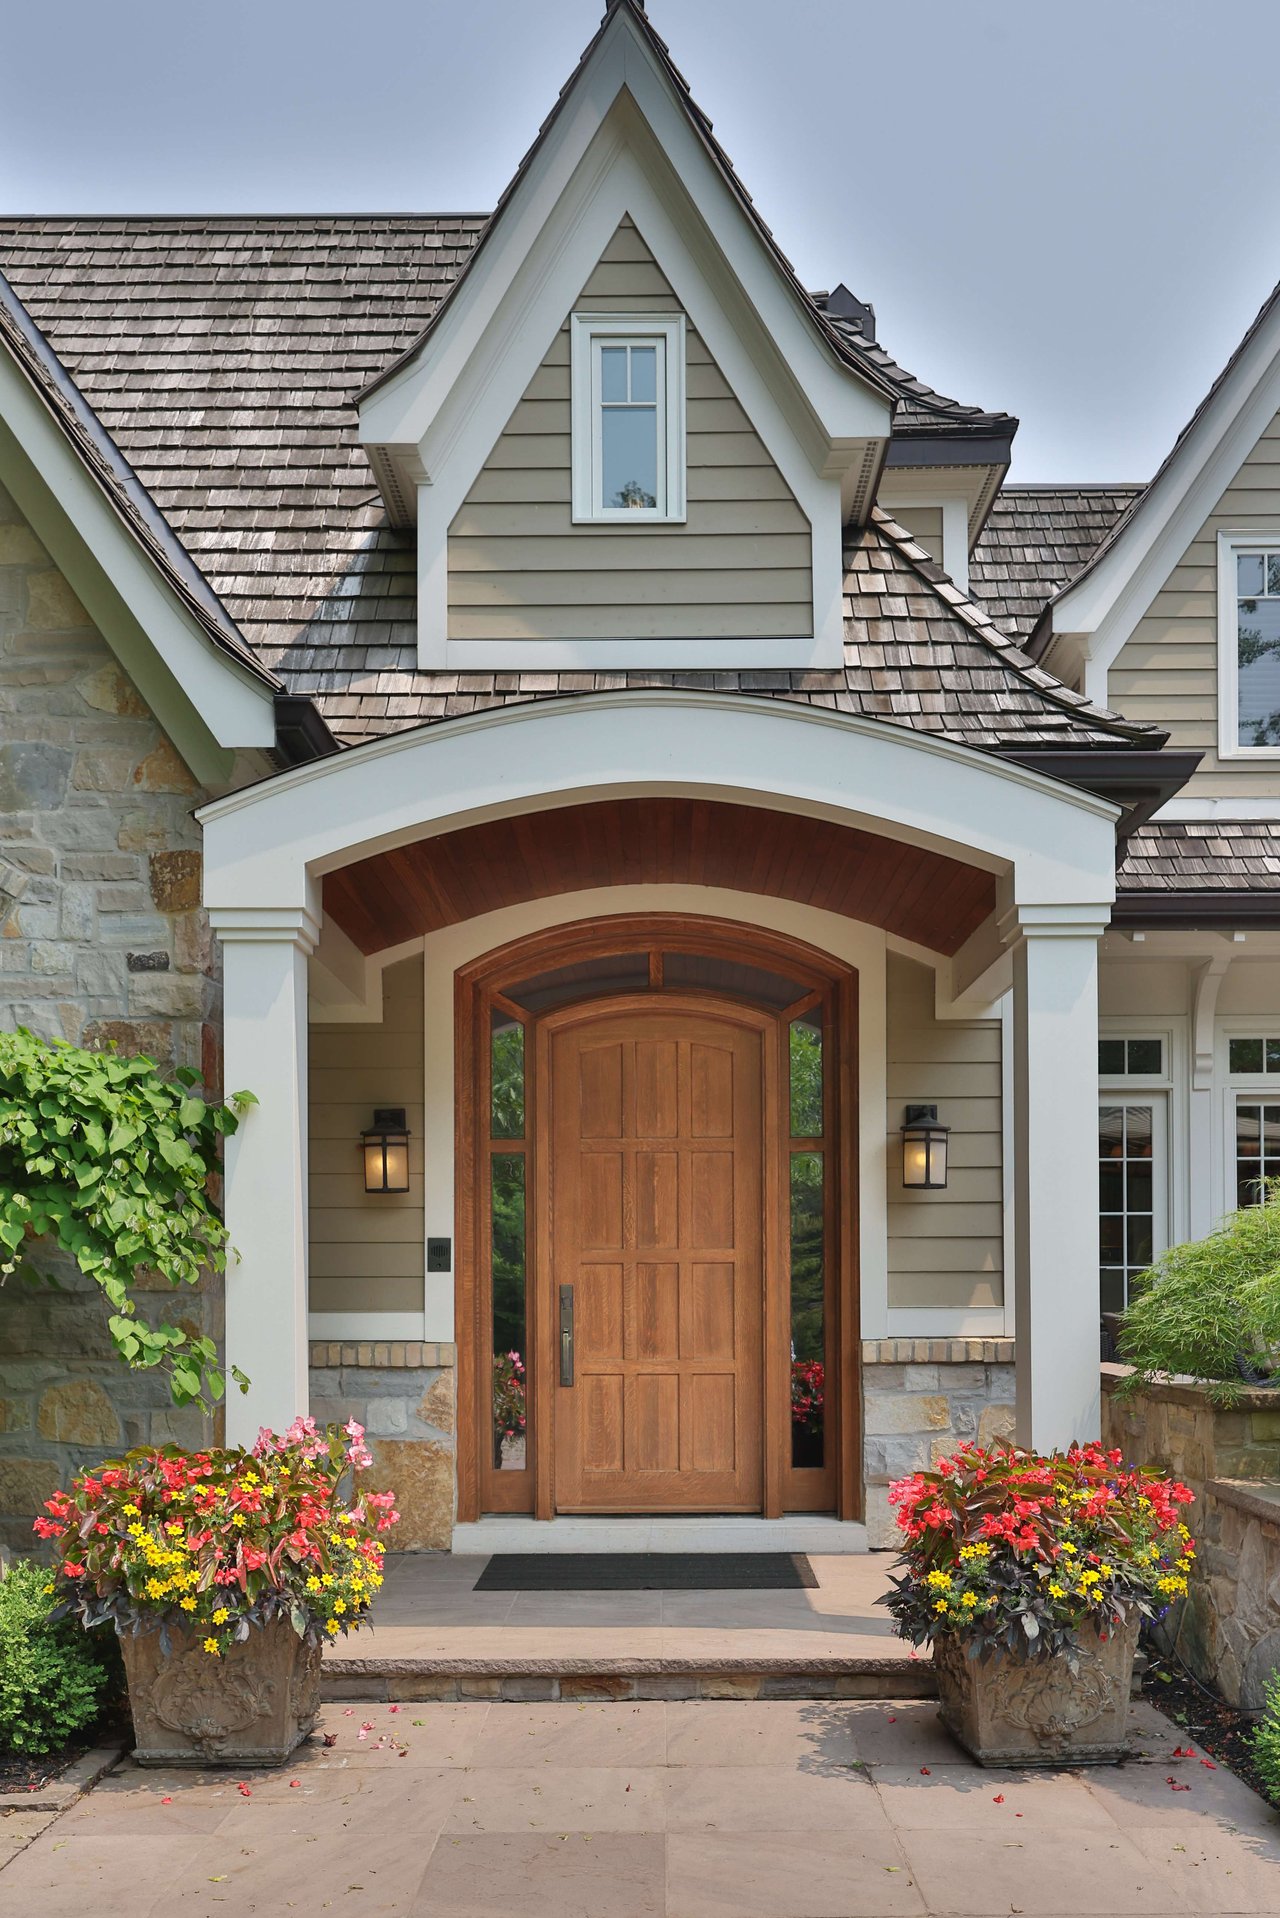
657	1223
653	1206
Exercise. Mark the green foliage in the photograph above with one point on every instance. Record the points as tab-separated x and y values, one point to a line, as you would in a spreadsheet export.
112	1162
51	1676
1209	1304
1265	1742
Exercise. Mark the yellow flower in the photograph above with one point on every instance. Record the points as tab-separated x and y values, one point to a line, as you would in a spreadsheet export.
327	1580
154	1588
969	1601
339	1604
1105	1570
334	1539
352	1544
940	1581
173	1526
1057	1591
941	1605
313	1583
135	1511
188	1604
48	1588
975	1551
211	1646
331	1626
238	1519
221	1616
1069	1548
135	1530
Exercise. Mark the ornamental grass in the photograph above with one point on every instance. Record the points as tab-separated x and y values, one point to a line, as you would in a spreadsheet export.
1014	1551
215	1543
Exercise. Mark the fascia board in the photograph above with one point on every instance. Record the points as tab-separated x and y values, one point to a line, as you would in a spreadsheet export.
207	703
399	414
1103	609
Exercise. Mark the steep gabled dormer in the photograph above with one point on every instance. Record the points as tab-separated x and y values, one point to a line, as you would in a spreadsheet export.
628	437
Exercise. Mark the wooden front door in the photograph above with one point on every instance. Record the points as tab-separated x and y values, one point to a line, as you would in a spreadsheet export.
654	1156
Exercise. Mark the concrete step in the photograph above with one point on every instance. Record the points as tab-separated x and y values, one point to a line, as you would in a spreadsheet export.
525	1679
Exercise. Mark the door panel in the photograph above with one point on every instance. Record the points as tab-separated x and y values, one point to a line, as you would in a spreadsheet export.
654	1154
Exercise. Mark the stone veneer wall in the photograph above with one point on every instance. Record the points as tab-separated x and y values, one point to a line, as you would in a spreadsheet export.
1228	1628
920	1397
402	1392
101	941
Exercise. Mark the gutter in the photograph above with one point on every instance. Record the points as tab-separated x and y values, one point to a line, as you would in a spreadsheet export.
302	732
1211	910
1138	779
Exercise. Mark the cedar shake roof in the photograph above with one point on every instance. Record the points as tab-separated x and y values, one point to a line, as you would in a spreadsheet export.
1232	855
224	355
112	473
1036	539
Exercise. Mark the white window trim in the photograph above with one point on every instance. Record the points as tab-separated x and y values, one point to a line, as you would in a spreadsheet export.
585	331
1158	1099
1230	544
1173	1087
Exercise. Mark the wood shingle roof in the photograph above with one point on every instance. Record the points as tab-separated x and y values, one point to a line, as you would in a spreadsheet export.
223	355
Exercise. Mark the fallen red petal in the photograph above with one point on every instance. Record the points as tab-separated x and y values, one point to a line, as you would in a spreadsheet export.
998	1799
924	1771
166	1801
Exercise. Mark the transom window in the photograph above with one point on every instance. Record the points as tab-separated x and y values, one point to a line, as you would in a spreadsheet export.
1249	644
1249	1055
1130	1058
628	418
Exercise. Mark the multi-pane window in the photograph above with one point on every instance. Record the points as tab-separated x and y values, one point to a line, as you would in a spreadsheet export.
1257	1149
628	418
1130	1058
1253	1055
1257	648
1126	1198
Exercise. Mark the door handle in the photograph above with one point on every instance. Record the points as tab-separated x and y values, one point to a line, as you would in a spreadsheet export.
566	1335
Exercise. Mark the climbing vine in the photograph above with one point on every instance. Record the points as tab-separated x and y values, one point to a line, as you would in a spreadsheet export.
112	1162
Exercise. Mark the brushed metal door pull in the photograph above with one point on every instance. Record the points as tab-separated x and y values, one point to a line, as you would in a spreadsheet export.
566	1335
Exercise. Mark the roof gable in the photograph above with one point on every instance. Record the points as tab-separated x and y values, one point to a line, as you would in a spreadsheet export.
625	143
1091	617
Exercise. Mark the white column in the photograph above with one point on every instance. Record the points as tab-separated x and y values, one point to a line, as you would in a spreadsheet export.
265	952
1055	1135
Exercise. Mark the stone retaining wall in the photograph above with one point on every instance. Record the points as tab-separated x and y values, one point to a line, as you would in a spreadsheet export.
402	1392
1227	1630
920	1398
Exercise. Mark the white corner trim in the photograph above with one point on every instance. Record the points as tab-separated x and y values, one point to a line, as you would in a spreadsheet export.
955	541
667	331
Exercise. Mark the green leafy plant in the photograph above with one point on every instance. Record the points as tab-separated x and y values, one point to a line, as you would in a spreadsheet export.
112	1162
1265	1741
51	1676
1210	1309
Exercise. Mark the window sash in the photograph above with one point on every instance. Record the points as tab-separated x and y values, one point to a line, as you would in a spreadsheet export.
599	406
590	335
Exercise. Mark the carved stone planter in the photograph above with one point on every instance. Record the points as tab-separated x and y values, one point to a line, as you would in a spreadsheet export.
252	1706
1035	1711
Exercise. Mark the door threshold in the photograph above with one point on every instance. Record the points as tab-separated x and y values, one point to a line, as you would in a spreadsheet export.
800	1532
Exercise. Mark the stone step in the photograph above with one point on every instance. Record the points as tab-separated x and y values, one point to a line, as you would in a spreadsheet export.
526	1679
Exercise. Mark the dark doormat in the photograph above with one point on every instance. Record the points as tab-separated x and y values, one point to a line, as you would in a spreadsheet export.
646	1572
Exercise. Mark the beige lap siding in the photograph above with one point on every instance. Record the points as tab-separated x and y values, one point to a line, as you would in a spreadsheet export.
945	1248
367	1248
739	567
924	523
1167	672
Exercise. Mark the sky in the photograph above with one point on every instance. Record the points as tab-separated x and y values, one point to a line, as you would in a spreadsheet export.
1069	209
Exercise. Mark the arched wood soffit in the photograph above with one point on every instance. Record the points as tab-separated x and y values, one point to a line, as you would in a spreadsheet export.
394	896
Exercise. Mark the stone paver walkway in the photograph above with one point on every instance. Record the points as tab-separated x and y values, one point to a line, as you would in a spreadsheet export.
430	1611
688	1810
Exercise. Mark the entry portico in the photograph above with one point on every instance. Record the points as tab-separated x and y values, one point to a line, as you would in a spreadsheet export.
1008	884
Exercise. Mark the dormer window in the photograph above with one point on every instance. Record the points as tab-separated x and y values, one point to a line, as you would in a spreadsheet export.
628	418
1248	644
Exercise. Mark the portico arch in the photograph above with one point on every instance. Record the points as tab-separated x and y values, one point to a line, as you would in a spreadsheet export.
1046	851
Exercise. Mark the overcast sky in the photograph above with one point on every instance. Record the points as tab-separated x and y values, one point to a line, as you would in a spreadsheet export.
1066	208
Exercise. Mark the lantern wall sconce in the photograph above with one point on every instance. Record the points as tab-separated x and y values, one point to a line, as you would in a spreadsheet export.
924	1150
386	1151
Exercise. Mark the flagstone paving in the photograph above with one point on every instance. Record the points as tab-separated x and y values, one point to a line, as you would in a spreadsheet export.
783	1809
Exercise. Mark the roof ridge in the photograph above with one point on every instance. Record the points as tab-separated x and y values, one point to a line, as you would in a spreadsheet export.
1002	644
203	219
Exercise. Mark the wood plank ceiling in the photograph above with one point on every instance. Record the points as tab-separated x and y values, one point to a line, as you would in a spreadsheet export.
924	896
